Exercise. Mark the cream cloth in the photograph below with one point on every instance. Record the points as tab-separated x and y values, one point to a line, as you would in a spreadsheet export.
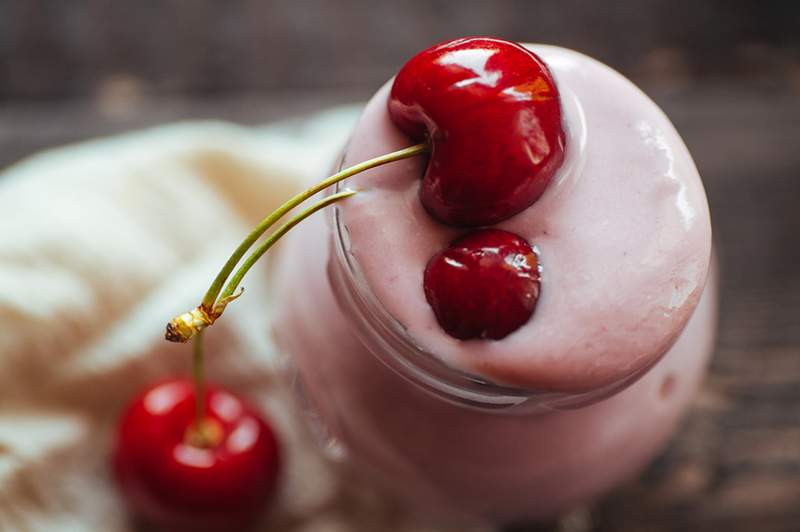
103	242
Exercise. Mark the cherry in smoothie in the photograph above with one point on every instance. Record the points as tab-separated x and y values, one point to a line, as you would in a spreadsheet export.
484	285
490	110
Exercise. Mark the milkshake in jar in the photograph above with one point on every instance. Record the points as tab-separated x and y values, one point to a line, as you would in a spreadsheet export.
573	401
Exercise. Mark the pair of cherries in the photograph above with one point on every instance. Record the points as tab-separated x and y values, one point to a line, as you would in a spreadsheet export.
490	114
490	111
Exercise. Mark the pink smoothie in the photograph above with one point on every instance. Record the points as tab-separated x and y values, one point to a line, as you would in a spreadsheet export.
623	233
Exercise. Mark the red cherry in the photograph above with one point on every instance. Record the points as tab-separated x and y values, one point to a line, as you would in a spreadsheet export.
484	285
491	111
180	485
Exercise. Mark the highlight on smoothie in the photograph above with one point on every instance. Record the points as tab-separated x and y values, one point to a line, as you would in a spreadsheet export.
484	297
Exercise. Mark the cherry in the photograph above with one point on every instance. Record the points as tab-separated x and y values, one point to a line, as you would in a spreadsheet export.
491	112
215	475
484	285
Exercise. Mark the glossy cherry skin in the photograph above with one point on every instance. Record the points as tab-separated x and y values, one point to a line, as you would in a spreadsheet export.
492	113
484	285
180	487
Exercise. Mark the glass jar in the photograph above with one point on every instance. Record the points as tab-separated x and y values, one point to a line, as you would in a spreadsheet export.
450	442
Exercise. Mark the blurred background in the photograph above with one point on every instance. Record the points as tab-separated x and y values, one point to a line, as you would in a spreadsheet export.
88	67
726	72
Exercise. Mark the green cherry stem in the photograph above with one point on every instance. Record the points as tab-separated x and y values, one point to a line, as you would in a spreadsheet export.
200	433
199	377
204	432
234	281
211	295
182	328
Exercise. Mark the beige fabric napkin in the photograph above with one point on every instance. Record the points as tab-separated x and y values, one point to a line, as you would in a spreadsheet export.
100	244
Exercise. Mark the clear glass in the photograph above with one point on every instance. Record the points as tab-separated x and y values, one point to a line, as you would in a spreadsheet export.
449	442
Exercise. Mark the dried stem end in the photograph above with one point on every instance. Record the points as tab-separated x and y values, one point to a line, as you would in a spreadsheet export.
184	327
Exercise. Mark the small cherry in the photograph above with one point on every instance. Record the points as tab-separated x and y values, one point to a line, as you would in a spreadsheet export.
491	113
181	475
483	285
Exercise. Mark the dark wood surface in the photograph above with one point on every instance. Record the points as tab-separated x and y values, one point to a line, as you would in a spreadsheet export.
735	464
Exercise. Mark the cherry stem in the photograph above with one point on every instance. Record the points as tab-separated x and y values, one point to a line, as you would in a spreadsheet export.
211	295
234	281
199	435
199	377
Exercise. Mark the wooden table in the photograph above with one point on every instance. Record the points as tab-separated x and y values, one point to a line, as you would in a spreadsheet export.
735	465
